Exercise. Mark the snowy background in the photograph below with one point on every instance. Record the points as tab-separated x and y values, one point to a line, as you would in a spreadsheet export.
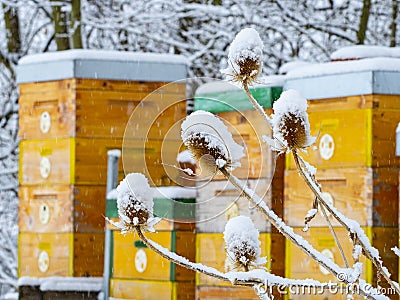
201	30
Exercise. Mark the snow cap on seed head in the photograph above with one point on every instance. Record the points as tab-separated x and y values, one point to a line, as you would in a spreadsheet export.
245	57
210	142
291	128
242	243
135	203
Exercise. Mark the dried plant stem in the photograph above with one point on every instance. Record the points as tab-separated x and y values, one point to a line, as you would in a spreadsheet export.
339	245
256	105
351	226
273	280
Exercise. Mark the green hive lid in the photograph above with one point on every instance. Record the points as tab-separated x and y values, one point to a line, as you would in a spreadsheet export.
169	202
222	96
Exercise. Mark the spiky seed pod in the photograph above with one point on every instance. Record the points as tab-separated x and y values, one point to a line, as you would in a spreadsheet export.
135	203
291	127
242	243
245	57
210	142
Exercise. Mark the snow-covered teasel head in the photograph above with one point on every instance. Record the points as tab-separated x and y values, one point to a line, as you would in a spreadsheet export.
210	142
135	203
245	57
291	128
243	244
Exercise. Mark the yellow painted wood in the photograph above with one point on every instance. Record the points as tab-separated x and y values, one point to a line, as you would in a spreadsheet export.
225	293
60	254
47	162
300	266
361	137
51	250
132	260
144	289
211	252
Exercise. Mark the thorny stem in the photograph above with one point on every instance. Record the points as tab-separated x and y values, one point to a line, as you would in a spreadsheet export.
256	105
288	231
363	240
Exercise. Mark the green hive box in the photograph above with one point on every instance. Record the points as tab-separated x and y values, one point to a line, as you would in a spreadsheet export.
176	205
222	96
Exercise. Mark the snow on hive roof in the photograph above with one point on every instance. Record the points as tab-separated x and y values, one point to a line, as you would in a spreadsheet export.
72	284
105	55
351	66
291	65
363	51
101	64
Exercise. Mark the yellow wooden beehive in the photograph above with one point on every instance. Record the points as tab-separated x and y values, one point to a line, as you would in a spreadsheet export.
354	111
75	106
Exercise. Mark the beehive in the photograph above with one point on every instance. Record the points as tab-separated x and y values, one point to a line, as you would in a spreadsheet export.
353	111
74	107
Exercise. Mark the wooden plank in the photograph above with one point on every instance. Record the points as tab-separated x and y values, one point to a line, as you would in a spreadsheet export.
45	209
124	85
367	195
210	251
218	201
143	289
247	128
224	293
48	86
46	162
89	208
88	255
133	260
375	101
343	139
45	254
350	188
301	266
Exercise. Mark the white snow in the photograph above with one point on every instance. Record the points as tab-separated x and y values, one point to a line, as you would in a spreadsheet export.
357	252
240	231
364	51
396	251
351	66
173	192
289	66
215	132
290	102
246	44
186	157
114	152
136	185
311	213
76	54
88	284
29	281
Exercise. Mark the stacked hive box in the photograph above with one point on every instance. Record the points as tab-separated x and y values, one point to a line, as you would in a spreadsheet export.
354	109
74	107
218	200
137	272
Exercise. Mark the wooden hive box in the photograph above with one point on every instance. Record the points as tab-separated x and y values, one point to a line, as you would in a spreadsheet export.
300	266
210	251
362	194
145	289
218	201
131	259
233	107
354	111
225	293
60	254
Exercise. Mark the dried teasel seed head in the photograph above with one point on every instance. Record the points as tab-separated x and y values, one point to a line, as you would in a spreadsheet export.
134	201
210	142
291	127
245	57
242	243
